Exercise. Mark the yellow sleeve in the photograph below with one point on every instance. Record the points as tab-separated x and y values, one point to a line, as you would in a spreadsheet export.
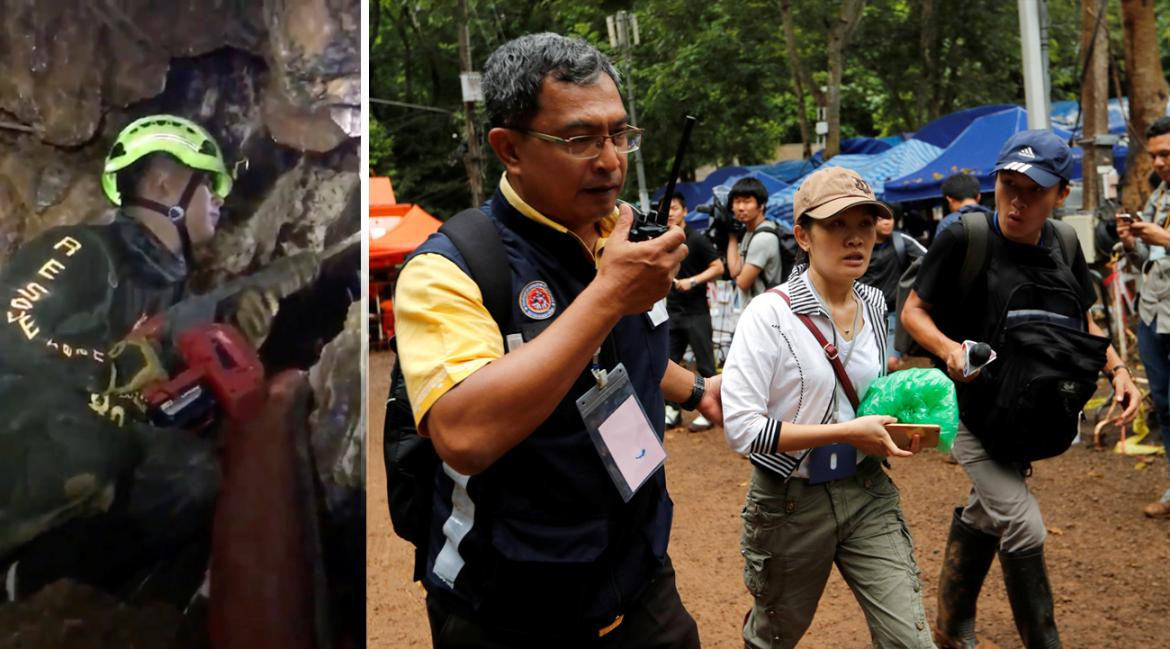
443	331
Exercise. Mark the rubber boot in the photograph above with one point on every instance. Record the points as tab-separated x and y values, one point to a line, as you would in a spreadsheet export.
1026	580
965	565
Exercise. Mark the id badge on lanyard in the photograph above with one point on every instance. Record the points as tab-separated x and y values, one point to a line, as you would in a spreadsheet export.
832	462
621	431
838	460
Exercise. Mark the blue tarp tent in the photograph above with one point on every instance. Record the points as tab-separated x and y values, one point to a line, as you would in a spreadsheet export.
1064	115
722	175
875	169
859	145
791	170
973	152
700	192
788	170
697	193
692	193
943	131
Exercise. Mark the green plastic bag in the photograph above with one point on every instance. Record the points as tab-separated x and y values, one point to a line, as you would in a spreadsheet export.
916	396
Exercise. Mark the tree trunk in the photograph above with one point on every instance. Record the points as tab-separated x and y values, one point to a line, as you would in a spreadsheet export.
432	63
927	42
407	57
1148	92
1094	92
839	35
375	19
833	105
796	70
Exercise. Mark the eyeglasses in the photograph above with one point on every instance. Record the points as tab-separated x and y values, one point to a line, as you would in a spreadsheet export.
588	147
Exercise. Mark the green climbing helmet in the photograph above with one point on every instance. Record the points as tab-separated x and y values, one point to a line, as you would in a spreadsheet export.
187	141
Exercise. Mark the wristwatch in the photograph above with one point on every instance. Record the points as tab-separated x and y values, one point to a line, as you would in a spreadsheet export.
1112	372
697	392
693	283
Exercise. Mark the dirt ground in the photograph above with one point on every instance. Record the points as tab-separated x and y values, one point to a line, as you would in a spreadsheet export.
1109	566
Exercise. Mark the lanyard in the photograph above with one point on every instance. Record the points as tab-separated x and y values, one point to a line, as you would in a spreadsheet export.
600	375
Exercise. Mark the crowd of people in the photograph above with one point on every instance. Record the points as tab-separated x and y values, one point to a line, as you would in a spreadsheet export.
546	531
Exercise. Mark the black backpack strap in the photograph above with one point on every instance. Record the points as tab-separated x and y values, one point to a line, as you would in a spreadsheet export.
978	236
475	236
899	247
771	228
411	460
766	226
1066	236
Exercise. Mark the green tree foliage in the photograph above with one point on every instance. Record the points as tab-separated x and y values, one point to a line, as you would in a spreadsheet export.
723	61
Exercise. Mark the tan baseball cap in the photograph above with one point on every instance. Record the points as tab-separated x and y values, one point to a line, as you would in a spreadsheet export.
830	190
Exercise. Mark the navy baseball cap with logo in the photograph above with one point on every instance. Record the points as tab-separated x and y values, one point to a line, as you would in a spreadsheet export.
1038	154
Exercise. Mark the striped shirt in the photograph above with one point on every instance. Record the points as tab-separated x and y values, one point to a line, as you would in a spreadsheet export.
777	372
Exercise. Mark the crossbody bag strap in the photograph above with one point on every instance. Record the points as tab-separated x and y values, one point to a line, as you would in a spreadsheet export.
830	351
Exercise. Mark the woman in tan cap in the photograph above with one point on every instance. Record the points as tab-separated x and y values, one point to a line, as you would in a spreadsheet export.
802	353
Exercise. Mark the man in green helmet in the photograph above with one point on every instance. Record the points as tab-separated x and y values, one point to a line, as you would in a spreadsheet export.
88	489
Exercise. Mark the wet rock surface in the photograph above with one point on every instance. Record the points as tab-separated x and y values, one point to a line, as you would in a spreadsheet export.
67	64
68	615
277	82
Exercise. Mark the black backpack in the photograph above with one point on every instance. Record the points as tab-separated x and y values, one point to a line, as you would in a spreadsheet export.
411	460
1026	405
974	265
787	248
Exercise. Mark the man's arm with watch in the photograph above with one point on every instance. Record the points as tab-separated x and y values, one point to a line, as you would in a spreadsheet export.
691	391
1119	375
711	272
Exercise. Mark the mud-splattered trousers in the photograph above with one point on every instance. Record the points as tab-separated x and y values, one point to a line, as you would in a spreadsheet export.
794	532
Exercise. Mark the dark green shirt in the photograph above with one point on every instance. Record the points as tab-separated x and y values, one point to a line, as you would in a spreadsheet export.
74	291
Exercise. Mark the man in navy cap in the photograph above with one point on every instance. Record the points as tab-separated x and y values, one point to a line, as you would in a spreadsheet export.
1017	280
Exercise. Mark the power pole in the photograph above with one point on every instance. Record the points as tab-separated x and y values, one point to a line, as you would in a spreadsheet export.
471	93
623	33
1035	92
1094	95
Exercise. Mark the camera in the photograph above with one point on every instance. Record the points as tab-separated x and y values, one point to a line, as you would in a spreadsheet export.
723	221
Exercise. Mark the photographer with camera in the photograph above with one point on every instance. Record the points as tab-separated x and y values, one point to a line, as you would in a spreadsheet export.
754	263
1146	240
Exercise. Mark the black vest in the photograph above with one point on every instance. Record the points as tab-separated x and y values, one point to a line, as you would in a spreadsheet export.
551	544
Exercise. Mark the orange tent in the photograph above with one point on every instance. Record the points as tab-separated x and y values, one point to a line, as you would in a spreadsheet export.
396	235
396	229
381	196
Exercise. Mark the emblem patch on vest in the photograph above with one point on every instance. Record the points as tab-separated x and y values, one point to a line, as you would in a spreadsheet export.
536	301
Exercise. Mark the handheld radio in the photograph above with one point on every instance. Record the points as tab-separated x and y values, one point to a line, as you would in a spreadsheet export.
649	226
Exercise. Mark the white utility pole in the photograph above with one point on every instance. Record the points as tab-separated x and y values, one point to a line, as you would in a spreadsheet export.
623	33
1035	86
470	83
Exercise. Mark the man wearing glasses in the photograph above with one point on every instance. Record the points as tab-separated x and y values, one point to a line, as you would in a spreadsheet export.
533	541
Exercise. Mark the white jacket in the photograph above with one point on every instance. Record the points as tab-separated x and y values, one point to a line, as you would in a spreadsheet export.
777	372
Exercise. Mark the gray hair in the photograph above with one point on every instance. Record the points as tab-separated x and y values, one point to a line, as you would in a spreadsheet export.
514	73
